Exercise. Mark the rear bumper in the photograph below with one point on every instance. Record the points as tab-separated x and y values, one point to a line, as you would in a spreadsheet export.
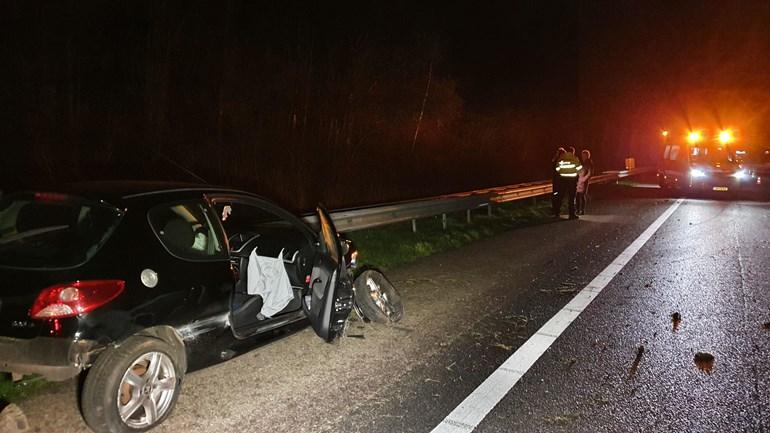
55	359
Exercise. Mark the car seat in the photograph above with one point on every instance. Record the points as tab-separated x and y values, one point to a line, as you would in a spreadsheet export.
178	235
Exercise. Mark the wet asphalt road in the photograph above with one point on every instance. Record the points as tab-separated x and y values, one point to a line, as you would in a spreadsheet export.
711	264
469	309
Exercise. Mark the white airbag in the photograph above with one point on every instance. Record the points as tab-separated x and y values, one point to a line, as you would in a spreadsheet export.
267	277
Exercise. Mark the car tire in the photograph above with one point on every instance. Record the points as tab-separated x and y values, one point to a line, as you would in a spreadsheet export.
142	372
377	298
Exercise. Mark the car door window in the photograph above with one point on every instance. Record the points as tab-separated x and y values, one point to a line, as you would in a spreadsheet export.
666	152
244	221
187	231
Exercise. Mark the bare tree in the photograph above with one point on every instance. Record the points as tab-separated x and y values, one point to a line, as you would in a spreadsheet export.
422	109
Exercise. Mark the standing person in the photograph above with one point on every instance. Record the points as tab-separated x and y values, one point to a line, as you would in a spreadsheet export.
556	197
584	176
568	168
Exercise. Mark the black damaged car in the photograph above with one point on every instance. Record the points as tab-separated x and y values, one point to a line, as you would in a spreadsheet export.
135	284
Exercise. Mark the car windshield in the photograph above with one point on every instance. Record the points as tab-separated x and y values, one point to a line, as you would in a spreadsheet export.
47	231
707	155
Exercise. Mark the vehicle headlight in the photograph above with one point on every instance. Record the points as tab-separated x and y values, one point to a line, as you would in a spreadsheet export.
741	174
696	172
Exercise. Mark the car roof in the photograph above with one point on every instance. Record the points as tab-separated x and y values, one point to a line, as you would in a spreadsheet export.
119	192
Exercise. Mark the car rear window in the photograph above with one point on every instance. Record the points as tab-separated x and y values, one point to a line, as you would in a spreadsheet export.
51	231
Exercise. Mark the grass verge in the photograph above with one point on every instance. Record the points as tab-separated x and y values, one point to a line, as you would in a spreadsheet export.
12	392
393	245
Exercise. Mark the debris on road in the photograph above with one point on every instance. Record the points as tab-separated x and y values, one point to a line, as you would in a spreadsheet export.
637	360
766	326
518	321
704	361
562	419
503	346
570	362
419	281
676	319
566	288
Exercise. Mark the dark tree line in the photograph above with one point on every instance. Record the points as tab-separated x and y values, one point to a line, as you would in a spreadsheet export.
346	103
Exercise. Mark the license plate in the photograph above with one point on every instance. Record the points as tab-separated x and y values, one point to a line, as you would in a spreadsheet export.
720	188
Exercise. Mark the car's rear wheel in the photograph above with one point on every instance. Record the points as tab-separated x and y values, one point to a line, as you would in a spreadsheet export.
132	387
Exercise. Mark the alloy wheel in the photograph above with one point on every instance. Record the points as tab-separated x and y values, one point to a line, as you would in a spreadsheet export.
146	390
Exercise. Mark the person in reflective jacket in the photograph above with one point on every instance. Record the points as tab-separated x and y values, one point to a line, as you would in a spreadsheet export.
556	182
568	168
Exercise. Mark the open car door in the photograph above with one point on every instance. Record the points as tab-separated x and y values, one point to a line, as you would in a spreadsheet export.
329	298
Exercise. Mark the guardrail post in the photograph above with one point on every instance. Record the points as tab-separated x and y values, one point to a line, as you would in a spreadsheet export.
414	226
489	209
443	221
468	216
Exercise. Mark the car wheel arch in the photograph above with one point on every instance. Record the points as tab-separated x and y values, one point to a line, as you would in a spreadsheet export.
170	336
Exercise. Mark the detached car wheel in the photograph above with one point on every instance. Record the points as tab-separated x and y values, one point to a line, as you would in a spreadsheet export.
377	298
131	388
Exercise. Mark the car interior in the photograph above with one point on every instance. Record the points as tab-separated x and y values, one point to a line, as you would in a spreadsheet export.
252	229
185	230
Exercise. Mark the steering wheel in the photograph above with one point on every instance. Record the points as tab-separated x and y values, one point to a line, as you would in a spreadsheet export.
245	246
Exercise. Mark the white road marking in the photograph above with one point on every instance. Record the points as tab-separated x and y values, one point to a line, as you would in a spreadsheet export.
467	416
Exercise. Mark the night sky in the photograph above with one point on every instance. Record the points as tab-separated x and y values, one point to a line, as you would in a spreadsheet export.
309	101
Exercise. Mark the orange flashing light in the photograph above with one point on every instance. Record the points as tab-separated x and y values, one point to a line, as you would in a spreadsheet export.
726	136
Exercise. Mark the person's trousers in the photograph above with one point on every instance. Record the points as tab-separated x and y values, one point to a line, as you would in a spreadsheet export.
580	203
582	200
570	191
556	197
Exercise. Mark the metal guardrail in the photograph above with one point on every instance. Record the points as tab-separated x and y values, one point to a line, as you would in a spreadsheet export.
374	216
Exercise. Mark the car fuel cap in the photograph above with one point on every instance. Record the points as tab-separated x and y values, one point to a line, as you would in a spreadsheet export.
149	278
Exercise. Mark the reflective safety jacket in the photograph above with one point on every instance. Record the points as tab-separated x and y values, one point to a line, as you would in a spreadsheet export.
568	166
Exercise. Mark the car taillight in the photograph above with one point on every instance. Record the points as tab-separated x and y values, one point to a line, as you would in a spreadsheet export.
71	299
